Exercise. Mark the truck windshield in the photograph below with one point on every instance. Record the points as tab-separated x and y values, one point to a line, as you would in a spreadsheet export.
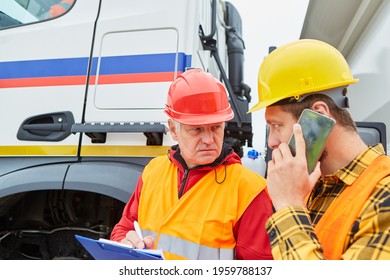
17	12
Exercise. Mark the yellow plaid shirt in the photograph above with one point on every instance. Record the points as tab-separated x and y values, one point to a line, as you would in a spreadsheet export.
291	230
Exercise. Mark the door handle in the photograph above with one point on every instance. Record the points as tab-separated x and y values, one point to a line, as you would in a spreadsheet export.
46	127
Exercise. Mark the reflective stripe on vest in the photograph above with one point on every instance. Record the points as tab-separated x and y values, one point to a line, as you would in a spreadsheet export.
333	228
200	224
194	251
181	247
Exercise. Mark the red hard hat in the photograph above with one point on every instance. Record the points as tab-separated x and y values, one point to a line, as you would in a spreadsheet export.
195	98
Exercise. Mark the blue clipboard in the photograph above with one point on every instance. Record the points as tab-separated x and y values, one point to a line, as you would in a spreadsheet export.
104	250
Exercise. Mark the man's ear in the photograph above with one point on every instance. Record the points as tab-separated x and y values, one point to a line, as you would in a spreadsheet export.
321	107
172	129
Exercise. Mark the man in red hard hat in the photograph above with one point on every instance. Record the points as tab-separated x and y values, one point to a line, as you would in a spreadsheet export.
198	202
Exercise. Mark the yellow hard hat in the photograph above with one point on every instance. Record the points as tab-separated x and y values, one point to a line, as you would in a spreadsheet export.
298	68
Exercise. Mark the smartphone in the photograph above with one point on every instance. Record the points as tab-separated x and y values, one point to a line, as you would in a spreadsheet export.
316	129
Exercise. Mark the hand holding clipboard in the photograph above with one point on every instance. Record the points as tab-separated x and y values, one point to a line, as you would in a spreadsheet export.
104	249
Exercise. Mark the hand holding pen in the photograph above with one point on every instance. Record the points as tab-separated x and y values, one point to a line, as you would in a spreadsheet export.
136	239
139	232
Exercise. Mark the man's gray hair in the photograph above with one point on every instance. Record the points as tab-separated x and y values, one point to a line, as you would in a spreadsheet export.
176	124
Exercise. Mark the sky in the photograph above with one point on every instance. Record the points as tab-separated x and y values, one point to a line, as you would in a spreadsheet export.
266	23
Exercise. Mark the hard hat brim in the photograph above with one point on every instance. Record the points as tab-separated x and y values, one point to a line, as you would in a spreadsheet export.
263	104
191	119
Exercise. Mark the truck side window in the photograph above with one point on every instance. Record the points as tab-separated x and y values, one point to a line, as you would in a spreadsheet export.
19	12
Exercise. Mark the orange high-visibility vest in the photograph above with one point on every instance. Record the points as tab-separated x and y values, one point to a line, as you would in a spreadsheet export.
200	224
333	227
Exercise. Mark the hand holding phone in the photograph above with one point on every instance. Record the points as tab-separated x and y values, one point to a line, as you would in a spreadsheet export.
316	129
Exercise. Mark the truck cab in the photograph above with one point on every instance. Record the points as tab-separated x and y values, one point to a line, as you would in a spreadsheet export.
82	93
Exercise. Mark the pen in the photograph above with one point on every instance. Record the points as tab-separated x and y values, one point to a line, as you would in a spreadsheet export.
138	230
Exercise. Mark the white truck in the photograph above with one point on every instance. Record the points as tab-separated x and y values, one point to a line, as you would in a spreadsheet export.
82	95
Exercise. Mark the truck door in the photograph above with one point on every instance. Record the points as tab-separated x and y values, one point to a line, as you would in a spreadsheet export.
139	49
44	64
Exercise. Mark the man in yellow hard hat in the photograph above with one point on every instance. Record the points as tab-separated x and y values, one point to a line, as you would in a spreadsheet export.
198	201
341	209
